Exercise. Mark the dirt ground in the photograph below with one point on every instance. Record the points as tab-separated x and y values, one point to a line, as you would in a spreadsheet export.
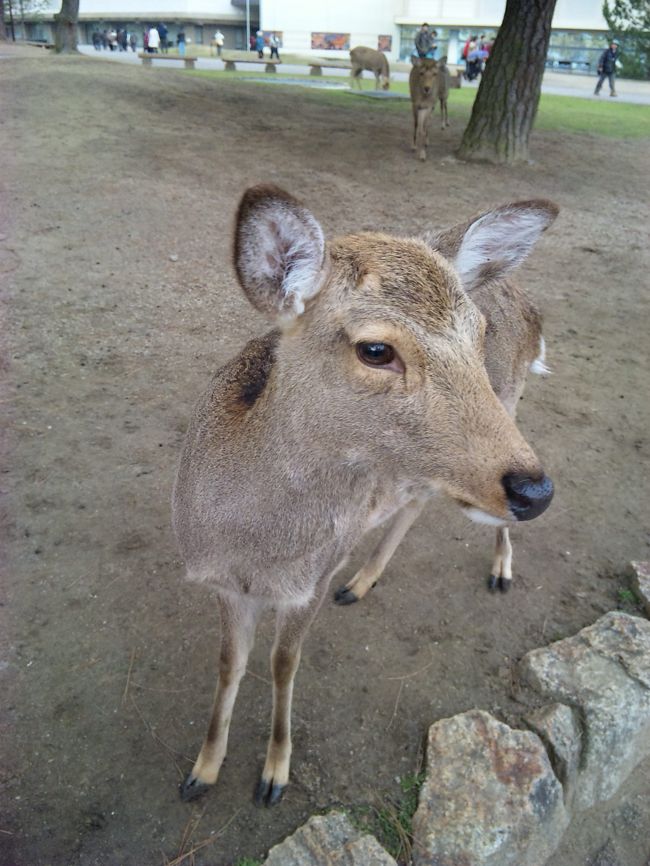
118	302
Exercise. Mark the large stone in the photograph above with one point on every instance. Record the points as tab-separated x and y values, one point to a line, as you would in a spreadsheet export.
329	840
603	674
490	797
640	577
559	729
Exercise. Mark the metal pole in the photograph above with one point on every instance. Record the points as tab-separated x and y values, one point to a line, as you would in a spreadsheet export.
248	24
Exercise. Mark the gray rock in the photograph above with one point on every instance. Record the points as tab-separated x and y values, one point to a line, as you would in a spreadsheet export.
490	797
640	577
603	673
559	729
329	840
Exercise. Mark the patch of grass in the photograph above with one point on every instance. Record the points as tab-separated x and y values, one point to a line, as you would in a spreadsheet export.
598	117
604	117
390	819
248	861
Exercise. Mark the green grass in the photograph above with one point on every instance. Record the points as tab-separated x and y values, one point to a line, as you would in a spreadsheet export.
390	819
605	117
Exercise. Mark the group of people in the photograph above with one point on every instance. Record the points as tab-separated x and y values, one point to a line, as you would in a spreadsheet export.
114	40
156	39
257	43
475	52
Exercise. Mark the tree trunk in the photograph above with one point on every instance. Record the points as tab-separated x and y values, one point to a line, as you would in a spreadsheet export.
507	99
66	27
4	33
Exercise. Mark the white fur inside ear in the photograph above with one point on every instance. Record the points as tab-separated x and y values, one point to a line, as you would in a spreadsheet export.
498	241
303	261
280	257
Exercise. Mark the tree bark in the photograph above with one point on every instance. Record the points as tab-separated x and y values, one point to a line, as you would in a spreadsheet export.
4	34
66	27
508	96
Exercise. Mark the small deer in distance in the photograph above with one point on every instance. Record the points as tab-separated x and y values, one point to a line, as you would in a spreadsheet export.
428	83
392	375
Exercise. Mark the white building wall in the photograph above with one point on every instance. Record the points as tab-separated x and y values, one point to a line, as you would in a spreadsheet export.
569	14
154	9
298	19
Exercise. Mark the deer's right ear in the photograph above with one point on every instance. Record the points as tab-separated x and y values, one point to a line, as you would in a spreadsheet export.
279	251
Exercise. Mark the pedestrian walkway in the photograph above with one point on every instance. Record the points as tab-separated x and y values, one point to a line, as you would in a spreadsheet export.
558	83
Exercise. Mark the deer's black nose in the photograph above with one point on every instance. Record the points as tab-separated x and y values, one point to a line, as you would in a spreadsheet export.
527	497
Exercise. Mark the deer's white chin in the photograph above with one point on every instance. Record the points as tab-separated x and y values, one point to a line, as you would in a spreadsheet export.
479	516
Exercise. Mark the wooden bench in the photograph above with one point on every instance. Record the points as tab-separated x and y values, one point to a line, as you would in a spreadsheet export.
147	58
316	68
231	64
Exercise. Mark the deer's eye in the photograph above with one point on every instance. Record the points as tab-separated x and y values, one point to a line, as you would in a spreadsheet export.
376	354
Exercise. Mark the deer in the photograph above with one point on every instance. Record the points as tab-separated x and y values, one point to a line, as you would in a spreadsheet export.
391	376
374	61
423	87
443	90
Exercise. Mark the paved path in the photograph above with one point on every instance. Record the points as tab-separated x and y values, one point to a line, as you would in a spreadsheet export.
561	84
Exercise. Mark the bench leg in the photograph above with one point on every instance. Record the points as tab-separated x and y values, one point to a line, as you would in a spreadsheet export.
189	64
270	67
315	70
230	66
146	61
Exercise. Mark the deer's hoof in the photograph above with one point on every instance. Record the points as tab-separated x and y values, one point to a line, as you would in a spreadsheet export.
268	793
343	595
192	789
422	156
495	583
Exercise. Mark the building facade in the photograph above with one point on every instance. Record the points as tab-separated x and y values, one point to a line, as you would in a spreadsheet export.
579	29
198	18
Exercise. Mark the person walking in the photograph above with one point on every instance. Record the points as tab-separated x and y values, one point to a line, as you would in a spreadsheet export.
164	43
218	42
607	66
259	44
274	42
153	43
180	41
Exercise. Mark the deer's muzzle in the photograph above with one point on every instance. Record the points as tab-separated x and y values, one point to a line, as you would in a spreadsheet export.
527	497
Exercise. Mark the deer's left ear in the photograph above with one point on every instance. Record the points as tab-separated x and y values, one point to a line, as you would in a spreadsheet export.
279	251
494	243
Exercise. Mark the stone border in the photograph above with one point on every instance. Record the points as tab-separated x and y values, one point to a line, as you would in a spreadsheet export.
498	796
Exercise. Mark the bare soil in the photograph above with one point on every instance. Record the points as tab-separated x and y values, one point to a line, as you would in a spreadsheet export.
118	302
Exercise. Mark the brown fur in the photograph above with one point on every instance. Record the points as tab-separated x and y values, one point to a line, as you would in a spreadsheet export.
423	87
443	90
298	448
374	61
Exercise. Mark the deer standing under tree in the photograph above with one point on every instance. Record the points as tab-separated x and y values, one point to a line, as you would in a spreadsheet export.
379	388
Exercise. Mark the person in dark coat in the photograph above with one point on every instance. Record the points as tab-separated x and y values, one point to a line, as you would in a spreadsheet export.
425	42
607	68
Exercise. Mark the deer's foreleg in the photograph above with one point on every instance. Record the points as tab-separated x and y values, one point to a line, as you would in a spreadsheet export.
422	132
368	576
291	627
501	576
238	623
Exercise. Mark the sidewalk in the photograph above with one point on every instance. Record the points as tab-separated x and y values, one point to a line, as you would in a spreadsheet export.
558	83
